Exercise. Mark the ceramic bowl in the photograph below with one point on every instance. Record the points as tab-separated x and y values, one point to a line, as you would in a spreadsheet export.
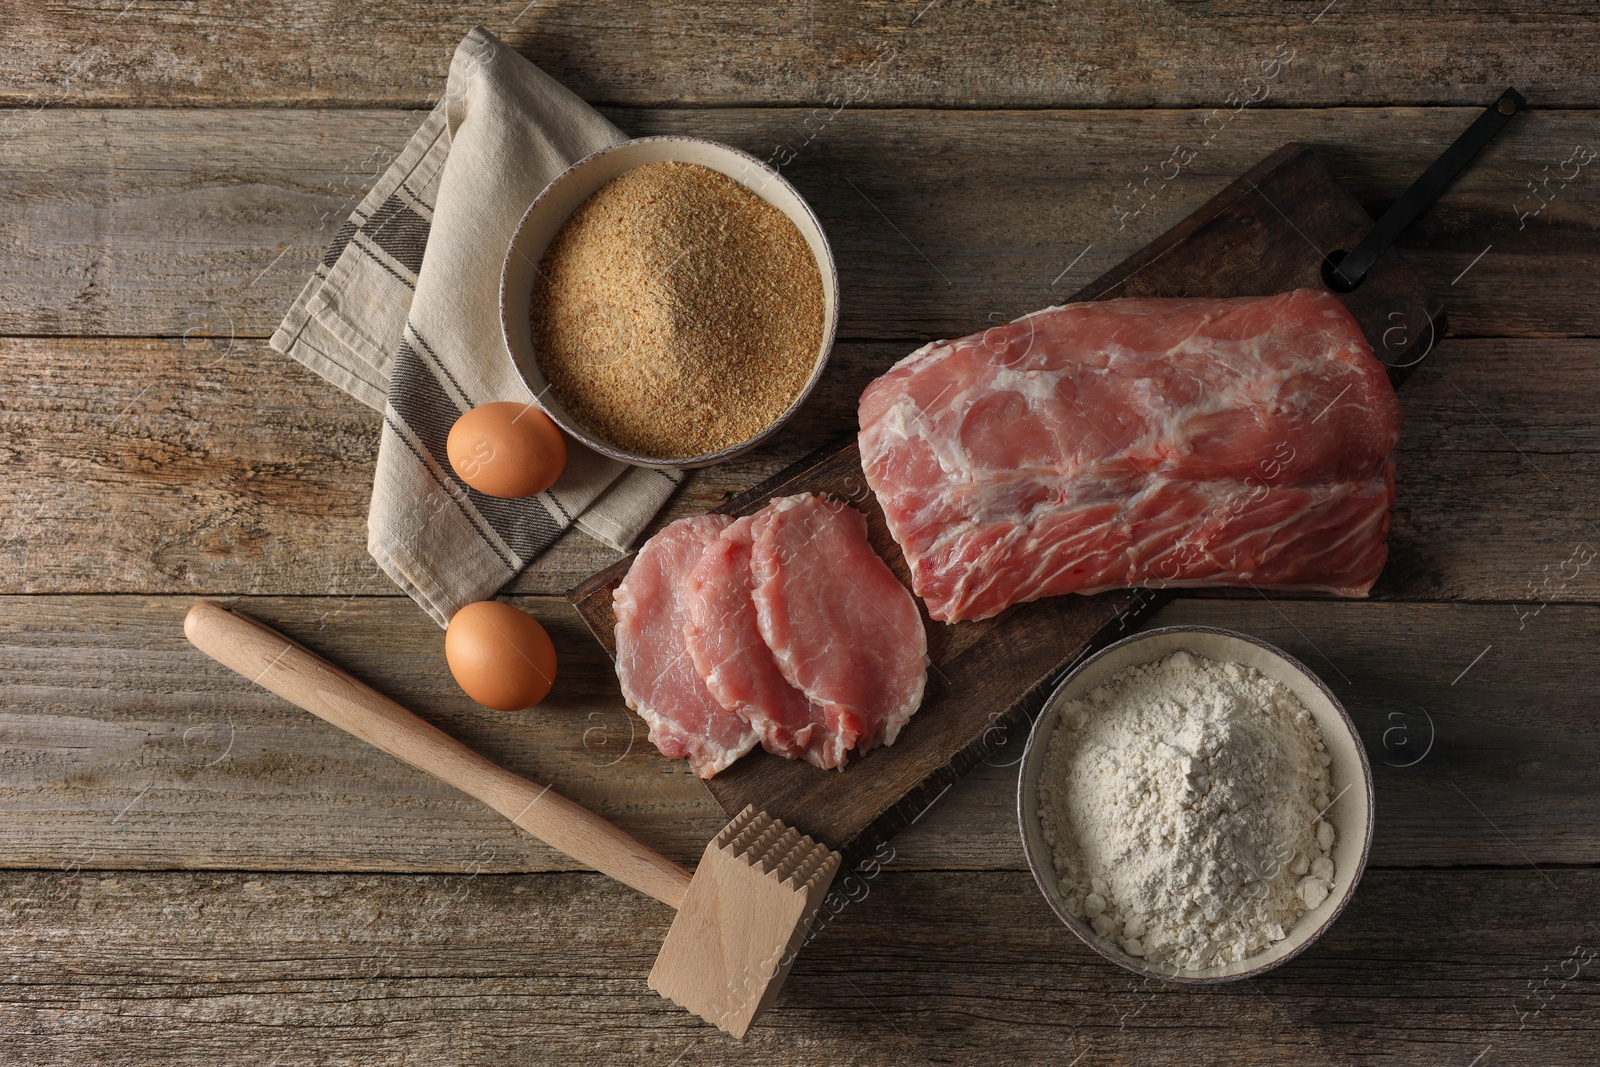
552	208
1350	812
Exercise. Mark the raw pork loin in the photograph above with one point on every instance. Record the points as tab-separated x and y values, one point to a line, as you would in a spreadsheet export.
783	627
1153	442
738	667
843	629
658	677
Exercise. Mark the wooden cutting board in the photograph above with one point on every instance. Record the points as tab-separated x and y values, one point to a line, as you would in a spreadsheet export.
1266	233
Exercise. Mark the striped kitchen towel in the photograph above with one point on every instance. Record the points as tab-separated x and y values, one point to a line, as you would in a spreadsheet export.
403	314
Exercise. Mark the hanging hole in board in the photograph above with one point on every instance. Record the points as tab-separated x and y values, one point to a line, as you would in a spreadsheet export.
1330	276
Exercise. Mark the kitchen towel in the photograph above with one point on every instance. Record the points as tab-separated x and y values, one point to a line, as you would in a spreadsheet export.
403	313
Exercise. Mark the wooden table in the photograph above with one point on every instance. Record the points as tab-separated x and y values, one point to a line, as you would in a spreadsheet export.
197	873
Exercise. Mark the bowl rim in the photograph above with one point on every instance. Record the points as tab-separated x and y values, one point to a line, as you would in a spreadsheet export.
826	265
1048	711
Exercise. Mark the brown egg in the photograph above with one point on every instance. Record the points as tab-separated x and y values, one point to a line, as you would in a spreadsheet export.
507	449
501	657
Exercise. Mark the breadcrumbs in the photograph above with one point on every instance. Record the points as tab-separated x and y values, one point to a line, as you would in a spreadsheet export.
676	313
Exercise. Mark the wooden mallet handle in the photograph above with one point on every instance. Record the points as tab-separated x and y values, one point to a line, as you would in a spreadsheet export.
306	680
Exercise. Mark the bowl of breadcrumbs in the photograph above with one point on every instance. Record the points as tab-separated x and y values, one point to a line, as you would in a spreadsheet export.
670	301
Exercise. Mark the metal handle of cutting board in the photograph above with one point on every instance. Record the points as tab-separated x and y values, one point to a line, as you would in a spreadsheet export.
1344	271
307	681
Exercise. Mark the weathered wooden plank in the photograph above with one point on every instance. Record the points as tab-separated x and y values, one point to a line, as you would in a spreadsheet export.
193	466
105	694
1017	54
175	222
123	747
201	466
178	968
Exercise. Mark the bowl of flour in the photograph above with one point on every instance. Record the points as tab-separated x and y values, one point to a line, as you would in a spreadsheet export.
1195	804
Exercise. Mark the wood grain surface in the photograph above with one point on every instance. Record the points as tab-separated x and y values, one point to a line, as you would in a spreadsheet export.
200	873
1020	53
292	672
186	223
201	968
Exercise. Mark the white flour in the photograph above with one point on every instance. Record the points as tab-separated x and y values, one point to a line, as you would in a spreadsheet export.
1182	803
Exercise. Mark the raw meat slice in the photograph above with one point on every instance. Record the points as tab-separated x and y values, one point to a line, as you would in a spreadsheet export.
843	629
739	668
658	677
1154	442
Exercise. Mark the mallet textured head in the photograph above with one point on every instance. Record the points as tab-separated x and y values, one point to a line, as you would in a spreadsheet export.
747	911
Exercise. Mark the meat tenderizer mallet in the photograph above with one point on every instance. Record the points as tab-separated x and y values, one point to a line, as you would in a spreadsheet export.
742	915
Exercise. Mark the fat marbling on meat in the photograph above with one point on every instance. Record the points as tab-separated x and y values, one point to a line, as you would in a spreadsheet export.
1137	442
843	629
658	676
739	669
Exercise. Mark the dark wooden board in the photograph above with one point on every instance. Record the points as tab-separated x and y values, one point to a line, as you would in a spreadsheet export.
1267	232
